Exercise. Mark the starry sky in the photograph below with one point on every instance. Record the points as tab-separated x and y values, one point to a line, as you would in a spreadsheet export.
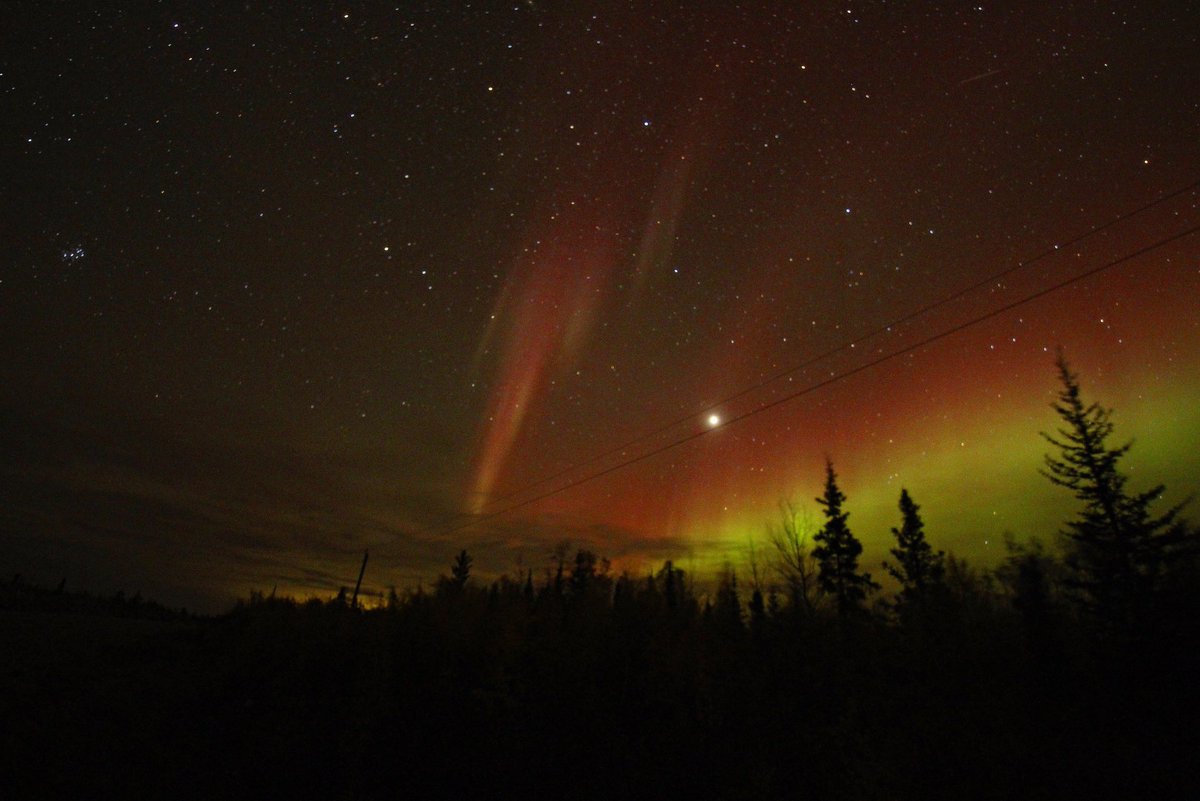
284	281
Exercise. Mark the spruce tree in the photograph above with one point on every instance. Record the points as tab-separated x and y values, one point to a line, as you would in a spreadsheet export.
918	568
837	552
1116	548
460	571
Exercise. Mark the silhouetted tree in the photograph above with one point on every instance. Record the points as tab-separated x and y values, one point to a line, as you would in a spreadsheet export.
795	563
970	591
559	557
1116	548
757	607
773	603
918	568
727	608
671	581
460	571
1029	573
624	593
838	550
583	573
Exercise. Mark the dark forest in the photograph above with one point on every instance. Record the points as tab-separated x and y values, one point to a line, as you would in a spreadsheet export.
1066	671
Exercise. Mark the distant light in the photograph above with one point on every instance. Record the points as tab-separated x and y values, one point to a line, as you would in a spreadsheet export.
714	421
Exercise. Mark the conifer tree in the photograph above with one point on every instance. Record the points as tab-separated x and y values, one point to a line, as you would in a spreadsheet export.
918	568
838	550
757	609
1116	548
460	571
727	610
670	581
584	572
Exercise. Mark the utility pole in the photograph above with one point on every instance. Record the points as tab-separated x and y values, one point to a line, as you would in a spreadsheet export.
357	584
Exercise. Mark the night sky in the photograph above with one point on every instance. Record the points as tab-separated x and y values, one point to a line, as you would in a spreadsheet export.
286	281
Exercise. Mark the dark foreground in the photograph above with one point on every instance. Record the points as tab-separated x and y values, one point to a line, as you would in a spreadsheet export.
625	689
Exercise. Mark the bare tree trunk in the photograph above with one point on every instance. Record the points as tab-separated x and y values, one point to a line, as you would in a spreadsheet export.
358	584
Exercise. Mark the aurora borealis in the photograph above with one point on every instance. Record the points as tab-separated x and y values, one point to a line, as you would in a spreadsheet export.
293	280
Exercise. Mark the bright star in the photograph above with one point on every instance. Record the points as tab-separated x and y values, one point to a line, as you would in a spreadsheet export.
714	421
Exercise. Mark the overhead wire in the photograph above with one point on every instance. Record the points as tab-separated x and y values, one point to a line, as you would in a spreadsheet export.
877	331
476	520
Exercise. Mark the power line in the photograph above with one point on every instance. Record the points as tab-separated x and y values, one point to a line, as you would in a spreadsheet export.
833	379
882	329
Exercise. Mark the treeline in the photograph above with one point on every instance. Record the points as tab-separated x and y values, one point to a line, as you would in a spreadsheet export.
585	684
1067	671
20	595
